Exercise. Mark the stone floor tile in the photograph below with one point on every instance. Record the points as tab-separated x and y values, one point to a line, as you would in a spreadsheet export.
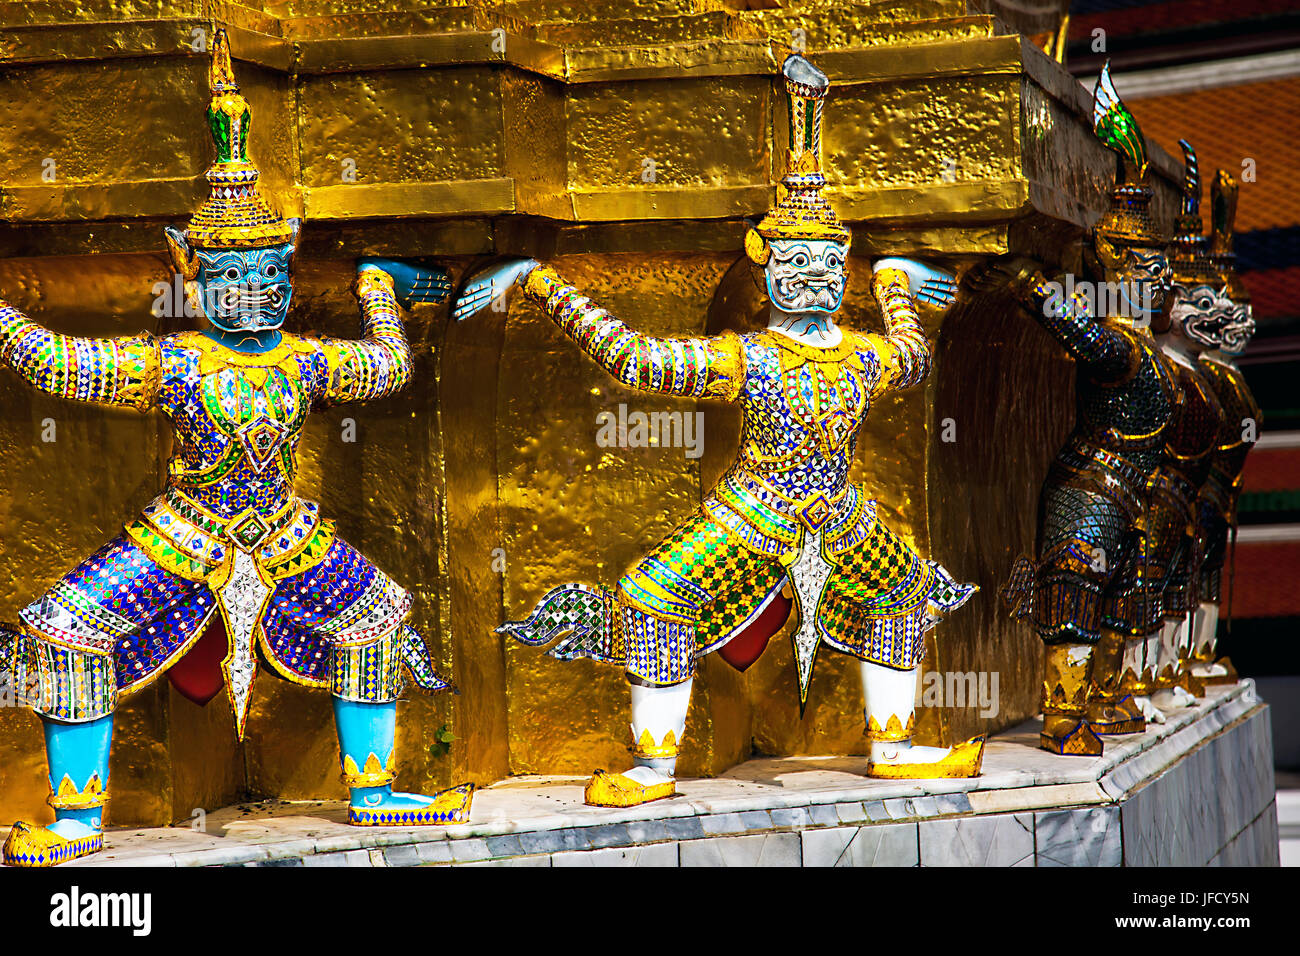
1086	836
761	849
997	840
654	854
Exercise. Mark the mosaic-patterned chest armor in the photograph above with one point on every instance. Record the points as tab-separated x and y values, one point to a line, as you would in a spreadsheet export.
787	494
1173	551
227	533
1127	414
1242	418
1087	573
802	408
237	428
226	569
801	423
1217	499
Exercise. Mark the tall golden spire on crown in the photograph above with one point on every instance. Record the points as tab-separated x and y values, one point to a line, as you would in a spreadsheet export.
1223	223
1190	257
1128	220
235	215
801	211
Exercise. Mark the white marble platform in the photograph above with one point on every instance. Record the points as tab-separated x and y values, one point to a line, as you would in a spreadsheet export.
1195	791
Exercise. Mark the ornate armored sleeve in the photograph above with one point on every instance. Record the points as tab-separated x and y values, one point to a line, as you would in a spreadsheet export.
117	371
377	364
1106	353
700	368
904	349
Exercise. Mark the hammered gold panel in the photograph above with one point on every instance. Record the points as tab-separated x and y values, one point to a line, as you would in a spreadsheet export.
329	8
482	485
639	31
584	10
274	142
689	132
401	126
36	12
385	22
384	489
535	138
98	132
947	129
469	369
206	761
1010	410
826	26
52	516
141	777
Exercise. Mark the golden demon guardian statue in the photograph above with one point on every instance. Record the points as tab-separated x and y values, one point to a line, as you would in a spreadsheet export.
227	552
785	514
1242	420
1092	593
1199	312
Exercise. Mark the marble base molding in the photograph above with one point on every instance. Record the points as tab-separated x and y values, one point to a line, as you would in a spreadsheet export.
1196	791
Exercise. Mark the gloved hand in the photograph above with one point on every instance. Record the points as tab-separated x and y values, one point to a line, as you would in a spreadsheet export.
492	287
411	282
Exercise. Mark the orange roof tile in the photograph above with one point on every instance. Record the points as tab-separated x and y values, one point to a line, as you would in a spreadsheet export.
1229	125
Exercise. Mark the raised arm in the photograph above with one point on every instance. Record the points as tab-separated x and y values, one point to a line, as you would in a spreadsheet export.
701	368
1105	353
377	364
904	350
117	371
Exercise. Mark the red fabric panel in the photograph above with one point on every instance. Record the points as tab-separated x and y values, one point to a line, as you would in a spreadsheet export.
1174	15
198	675
748	646
1272	292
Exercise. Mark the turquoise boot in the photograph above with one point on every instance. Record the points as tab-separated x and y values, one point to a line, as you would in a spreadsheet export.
77	755
367	741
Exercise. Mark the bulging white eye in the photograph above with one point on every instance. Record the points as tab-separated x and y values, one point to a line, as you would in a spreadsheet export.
800	260
272	271
232	274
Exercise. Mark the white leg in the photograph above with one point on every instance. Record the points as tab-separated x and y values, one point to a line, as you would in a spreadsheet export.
1171	638
1167	649
889	697
1183	636
658	724
1134	659
1145	652
1207	628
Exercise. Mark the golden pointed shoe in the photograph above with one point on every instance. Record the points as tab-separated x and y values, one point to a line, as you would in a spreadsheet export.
962	761
606	789
1069	736
1230	677
448	807
1115	717
1194	684
30	845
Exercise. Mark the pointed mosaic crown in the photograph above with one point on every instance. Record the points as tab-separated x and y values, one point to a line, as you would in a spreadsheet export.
801	211
1223	221
1128	220
1190	256
235	215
